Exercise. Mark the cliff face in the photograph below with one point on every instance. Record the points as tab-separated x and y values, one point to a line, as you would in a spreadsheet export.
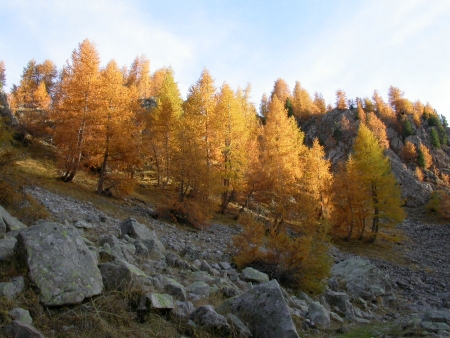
337	130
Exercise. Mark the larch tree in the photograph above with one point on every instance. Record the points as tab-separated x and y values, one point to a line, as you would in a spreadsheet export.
114	125
400	104
319	102
374	170
76	112
197	171
281	91
282	144
350	207
236	121
165	126
341	100
315	184
378	128
302	103
383	110
408	152
139	76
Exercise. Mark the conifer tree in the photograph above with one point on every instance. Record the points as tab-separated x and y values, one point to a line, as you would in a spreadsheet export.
165	126
76	112
114	130
303	105
341	100
374	170
319	102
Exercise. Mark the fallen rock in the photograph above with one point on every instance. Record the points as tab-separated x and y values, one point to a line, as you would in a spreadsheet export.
59	262
264	309
12	288
172	287
114	248
10	223
198	288
121	275
434	326
156	249
21	315
159	302
7	248
360	278
182	310
319	315
135	230
208	318
437	316
18	329
341	301
252	275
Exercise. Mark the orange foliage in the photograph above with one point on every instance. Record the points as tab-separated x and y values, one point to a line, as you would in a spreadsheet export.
408	152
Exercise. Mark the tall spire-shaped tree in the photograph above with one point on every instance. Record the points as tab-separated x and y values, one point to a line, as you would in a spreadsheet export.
78	106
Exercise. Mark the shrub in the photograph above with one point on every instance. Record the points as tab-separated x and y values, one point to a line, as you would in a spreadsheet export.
297	261
440	204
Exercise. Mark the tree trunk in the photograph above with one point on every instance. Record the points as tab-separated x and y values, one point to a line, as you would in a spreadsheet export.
101	179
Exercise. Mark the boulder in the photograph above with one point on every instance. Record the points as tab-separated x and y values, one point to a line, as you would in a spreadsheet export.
12	288
115	248
341	301
252	275
10	223
172	287
437	316
319	315
264	310
206	317
121	275
21	315
135	230
182	310
156	249
159	302
18	329
198	288
7	248
360	278
59	263
434	326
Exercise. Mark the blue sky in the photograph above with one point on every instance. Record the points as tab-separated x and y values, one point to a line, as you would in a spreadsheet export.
357	46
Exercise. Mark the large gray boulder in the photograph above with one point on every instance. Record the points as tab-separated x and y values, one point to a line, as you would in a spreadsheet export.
264	310
59	263
360	278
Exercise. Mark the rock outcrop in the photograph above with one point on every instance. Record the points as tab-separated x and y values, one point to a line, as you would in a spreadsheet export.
59	263
264	309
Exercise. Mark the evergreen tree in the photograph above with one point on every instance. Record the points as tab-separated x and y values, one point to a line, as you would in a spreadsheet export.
435	138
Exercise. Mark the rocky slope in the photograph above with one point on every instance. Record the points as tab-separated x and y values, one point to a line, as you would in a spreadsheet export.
180	273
